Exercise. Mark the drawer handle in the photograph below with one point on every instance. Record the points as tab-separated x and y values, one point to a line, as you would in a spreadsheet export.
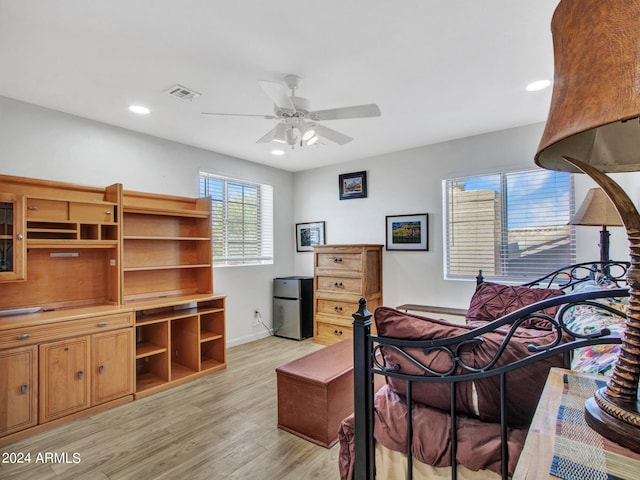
32	207
20	236
337	284
101	369
337	309
24	336
103	324
108	212
80	375
338	332
24	388
337	260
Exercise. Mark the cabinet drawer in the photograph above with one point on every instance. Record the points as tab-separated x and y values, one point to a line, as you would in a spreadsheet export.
340	285
344	261
88	212
40	209
328	333
334	307
63	329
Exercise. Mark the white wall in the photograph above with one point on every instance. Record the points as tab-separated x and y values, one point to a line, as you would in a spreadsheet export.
411	182
41	143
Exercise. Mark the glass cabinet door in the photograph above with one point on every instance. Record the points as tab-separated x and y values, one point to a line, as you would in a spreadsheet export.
12	241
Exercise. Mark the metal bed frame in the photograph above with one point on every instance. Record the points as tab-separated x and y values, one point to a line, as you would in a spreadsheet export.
368	363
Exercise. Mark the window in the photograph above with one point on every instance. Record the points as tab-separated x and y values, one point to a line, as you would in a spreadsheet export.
242	220
512	226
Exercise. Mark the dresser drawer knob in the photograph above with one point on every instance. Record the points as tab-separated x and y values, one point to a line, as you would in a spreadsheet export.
338	332
103	324
32	207
80	375
101	369
337	309
24	336
337	260
108	212
337	284
24	388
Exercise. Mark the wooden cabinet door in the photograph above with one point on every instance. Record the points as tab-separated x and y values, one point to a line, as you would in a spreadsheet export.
12	240
112	365
64	378
18	389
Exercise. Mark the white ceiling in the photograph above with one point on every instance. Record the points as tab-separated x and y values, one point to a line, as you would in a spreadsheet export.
438	69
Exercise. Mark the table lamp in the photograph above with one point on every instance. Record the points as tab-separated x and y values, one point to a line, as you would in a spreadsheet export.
593	128
597	210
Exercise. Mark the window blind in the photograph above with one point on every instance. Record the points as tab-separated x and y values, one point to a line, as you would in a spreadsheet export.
242	220
512	226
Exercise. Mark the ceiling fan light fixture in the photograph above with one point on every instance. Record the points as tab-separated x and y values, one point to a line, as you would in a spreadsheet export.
306	131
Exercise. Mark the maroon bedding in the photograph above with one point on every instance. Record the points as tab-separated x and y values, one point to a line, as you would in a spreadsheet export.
478	441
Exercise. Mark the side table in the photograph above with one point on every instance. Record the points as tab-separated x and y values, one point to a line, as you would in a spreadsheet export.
540	446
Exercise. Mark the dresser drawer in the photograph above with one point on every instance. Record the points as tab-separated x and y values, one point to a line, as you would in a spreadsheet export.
93	213
337	284
329	333
336	307
63	329
349	262
40	209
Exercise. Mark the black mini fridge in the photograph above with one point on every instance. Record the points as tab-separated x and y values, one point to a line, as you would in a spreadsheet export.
293	307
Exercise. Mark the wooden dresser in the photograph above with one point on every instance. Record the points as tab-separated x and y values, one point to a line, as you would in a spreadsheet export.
342	275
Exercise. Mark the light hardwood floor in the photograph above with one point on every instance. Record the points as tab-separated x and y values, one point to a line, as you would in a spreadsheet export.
220	427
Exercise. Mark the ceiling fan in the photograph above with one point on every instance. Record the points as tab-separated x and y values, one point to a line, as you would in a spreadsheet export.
298	123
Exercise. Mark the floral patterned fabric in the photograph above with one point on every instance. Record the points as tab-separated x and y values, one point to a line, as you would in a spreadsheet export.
585	319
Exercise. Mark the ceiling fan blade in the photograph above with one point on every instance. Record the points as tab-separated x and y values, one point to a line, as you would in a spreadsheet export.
357	111
278	93
268	117
331	134
269	136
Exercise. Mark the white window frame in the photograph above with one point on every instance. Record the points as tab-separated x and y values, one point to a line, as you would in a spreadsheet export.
461	262
261	244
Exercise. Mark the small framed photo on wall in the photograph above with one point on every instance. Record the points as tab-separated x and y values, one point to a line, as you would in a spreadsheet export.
308	235
353	185
408	232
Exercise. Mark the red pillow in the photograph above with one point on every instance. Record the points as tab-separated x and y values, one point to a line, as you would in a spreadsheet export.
493	300
524	385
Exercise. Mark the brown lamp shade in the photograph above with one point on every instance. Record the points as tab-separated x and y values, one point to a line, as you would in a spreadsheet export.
597	210
595	103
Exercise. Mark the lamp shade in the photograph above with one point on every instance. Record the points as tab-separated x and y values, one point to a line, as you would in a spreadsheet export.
593	116
597	210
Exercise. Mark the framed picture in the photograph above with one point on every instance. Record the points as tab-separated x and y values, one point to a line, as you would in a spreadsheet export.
308	235
408	232
353	185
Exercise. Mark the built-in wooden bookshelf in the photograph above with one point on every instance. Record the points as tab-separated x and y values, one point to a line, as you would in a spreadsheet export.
105	295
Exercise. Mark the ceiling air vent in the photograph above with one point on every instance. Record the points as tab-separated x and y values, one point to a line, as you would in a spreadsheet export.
183	93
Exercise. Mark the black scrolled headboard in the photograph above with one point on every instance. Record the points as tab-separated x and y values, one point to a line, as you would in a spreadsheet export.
367	362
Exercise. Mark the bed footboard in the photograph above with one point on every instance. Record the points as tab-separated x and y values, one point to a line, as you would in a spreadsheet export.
371	354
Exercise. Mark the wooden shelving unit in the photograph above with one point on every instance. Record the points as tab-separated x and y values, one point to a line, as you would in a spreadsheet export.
176	343
168	280
121	283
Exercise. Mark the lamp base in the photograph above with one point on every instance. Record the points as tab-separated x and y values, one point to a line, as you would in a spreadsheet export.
614	428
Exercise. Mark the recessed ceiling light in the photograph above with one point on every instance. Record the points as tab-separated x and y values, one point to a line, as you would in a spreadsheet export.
139	109
277	152
538	85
